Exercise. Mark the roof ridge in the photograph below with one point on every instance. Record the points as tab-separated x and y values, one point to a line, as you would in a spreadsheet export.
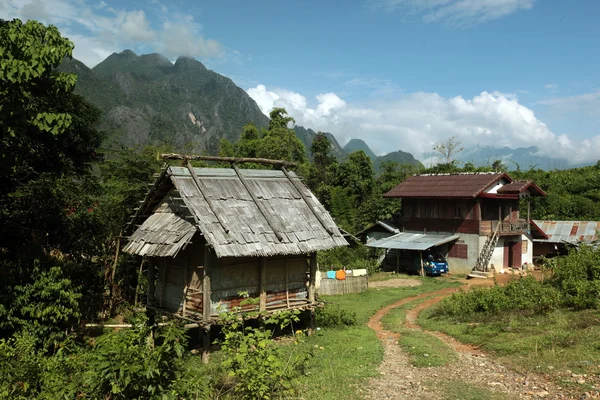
462	173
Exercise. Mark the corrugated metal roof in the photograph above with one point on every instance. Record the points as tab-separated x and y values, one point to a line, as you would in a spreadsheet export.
413	241
464	185
241	229
569	231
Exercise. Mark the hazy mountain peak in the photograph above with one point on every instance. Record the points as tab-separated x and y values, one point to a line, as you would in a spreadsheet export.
127	53
185	62
359	144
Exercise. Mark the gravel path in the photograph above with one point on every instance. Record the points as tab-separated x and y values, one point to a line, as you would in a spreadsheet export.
400	380
396	282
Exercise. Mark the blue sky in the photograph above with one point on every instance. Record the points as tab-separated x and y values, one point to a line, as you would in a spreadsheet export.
400	74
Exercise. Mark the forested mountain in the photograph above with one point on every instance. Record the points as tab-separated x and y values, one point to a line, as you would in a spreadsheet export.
359	144
147	100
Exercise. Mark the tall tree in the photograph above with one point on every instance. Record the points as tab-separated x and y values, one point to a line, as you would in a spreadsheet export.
356	174
448	150
47	197
321	169
280	141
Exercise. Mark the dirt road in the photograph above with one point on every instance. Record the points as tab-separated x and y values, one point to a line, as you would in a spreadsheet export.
399	379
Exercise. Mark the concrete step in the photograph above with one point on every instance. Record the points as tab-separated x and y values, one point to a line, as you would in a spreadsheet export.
481	274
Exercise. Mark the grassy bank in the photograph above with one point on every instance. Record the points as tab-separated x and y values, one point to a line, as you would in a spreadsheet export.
554	343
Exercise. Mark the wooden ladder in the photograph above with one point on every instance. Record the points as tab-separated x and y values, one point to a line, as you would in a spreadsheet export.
483	260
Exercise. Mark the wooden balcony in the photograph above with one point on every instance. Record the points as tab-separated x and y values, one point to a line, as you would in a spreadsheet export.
506	227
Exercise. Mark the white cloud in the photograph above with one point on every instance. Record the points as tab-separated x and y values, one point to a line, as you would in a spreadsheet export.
456	12
588	103
414	122
182	37
99	30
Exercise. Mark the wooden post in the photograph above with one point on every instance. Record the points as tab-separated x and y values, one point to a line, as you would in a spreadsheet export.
287	281
262	306
173	156
397	262
163	280
206	290
205	332
150	294
421	259
185	284
312	278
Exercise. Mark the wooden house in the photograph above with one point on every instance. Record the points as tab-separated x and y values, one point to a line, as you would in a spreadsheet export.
211	234
473	219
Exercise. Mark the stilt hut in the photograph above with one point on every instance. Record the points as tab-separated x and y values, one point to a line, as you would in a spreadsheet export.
212	233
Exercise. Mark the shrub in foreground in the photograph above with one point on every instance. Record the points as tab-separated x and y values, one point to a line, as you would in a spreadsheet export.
332	316
577	277
525	294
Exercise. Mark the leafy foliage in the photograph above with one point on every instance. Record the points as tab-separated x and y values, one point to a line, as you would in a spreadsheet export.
572	194
525	294
333	316
575	284
257	367
577	277
120	365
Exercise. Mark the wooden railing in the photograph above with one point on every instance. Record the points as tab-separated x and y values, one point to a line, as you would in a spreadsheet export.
520	226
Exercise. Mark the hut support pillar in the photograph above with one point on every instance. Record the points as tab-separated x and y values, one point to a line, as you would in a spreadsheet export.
205	333
206	303
150	293
262	306
312	278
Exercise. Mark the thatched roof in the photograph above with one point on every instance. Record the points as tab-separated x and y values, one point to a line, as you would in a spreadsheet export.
255	213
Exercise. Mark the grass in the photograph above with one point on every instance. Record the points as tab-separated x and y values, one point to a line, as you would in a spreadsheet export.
425	350
346	357
454	390
556	343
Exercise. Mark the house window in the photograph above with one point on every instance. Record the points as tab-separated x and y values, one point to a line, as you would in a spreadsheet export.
459	251
457	212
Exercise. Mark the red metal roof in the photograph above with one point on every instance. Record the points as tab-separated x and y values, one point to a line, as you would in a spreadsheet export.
569	231
520	186
458	186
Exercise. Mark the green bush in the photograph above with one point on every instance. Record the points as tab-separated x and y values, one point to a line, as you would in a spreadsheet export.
577	277
119	365
257	367
525	294
46	307
332	316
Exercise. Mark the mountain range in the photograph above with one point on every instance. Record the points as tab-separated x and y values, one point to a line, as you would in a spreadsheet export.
148	100
401	157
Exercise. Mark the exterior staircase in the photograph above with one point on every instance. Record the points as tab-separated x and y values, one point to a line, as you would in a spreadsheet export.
481	265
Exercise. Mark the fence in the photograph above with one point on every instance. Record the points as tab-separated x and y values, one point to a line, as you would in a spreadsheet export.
352	284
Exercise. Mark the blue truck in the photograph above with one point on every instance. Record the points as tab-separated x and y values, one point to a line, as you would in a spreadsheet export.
432	264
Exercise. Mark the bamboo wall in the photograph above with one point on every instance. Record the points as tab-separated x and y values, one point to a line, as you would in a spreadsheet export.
179	282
